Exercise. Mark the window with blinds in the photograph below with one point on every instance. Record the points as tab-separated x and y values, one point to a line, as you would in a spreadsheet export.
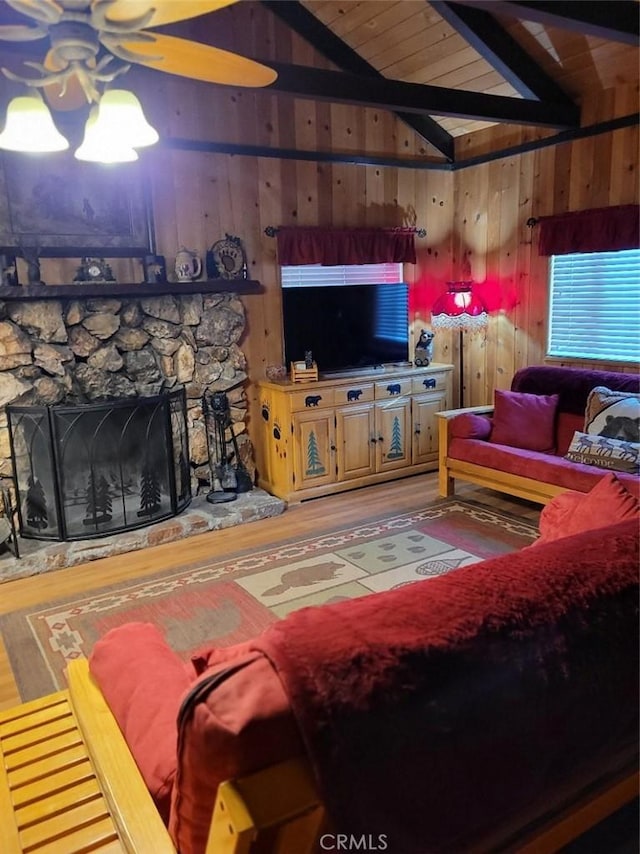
594	310
315	275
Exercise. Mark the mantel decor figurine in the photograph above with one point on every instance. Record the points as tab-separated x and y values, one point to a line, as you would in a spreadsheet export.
8	271
31	255
94	270
188	266
155	269
227	259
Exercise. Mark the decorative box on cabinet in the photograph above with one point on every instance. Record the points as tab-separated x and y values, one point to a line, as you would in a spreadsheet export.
334	434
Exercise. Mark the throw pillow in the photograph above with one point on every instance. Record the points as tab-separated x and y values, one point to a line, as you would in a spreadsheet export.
614	414
573	512
524	420
598	450
469	425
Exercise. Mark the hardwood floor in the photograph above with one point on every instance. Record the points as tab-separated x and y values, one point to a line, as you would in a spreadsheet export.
300	520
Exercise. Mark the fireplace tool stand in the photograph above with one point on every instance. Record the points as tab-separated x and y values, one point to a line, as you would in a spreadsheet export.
227	479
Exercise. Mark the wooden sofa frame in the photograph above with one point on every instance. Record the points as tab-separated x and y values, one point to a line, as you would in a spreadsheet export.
69	783
449	468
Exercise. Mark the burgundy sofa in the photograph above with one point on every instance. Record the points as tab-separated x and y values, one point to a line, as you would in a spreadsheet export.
445	715
469	449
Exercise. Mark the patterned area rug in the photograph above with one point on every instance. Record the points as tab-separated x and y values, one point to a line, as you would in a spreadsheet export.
231	600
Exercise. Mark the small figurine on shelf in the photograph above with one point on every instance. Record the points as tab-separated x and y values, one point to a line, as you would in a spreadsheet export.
308	359
155	269
424	349
8	271
31	255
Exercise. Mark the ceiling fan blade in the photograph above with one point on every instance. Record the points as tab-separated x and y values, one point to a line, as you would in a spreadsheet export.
164	11
199	61
44	11
20	33
64	97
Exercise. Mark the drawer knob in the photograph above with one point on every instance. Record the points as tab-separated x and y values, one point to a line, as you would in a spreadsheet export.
312	399
429	383
354	393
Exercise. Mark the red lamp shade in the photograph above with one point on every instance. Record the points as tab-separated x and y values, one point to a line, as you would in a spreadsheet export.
459	308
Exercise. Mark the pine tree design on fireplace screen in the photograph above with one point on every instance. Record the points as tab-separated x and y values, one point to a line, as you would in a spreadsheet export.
90	470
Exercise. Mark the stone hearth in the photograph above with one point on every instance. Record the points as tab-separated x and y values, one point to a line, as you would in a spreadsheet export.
39	557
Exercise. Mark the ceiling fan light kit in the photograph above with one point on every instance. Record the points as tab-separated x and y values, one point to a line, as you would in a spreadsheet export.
99	147
90	43
29	127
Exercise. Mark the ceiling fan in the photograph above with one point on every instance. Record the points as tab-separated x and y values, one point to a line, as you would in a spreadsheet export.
91	42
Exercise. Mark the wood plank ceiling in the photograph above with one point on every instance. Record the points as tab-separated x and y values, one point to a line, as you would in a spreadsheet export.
449	69
458	68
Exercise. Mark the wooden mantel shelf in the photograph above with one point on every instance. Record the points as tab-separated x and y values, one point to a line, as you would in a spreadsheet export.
82	290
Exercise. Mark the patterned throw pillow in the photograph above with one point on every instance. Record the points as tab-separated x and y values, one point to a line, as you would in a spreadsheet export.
614	414
598	450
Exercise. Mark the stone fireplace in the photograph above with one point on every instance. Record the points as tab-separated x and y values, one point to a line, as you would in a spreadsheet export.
85	350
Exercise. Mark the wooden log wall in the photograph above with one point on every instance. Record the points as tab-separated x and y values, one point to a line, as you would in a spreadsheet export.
475	218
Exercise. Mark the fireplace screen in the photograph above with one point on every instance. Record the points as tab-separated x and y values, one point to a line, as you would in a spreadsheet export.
90	470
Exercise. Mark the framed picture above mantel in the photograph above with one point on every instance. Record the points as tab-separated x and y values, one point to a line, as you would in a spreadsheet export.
62	207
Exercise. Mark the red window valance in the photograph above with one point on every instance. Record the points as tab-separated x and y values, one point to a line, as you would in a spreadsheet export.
333	246
597	230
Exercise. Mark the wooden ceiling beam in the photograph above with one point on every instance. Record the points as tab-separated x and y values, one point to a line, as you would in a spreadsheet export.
502	51
344	87
617	20
335	50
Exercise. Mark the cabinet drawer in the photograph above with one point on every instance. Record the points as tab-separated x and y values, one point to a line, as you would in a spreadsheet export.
437	381
393	388
358	392
311	398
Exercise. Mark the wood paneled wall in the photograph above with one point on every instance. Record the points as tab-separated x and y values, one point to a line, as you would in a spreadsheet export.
475	218
492	242
198	196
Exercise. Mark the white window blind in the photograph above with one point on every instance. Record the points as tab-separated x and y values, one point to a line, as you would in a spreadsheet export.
595	306
315	275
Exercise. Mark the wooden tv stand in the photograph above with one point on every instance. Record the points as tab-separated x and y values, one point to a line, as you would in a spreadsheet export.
317	438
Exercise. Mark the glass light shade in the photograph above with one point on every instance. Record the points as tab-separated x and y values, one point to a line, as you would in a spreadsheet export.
98	147
459	308
120	114
30	128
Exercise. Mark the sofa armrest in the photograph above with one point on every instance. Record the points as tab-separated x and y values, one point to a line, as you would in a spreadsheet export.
446	485
448	414
138	822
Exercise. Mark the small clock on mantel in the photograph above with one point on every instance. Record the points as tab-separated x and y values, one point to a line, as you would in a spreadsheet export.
94	270
227	259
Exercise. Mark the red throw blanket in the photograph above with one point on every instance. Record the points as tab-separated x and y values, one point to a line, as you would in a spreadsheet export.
443	714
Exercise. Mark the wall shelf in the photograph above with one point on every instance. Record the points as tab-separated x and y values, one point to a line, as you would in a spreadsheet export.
82	290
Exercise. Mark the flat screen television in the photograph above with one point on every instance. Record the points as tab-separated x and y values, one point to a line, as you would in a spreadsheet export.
347	326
